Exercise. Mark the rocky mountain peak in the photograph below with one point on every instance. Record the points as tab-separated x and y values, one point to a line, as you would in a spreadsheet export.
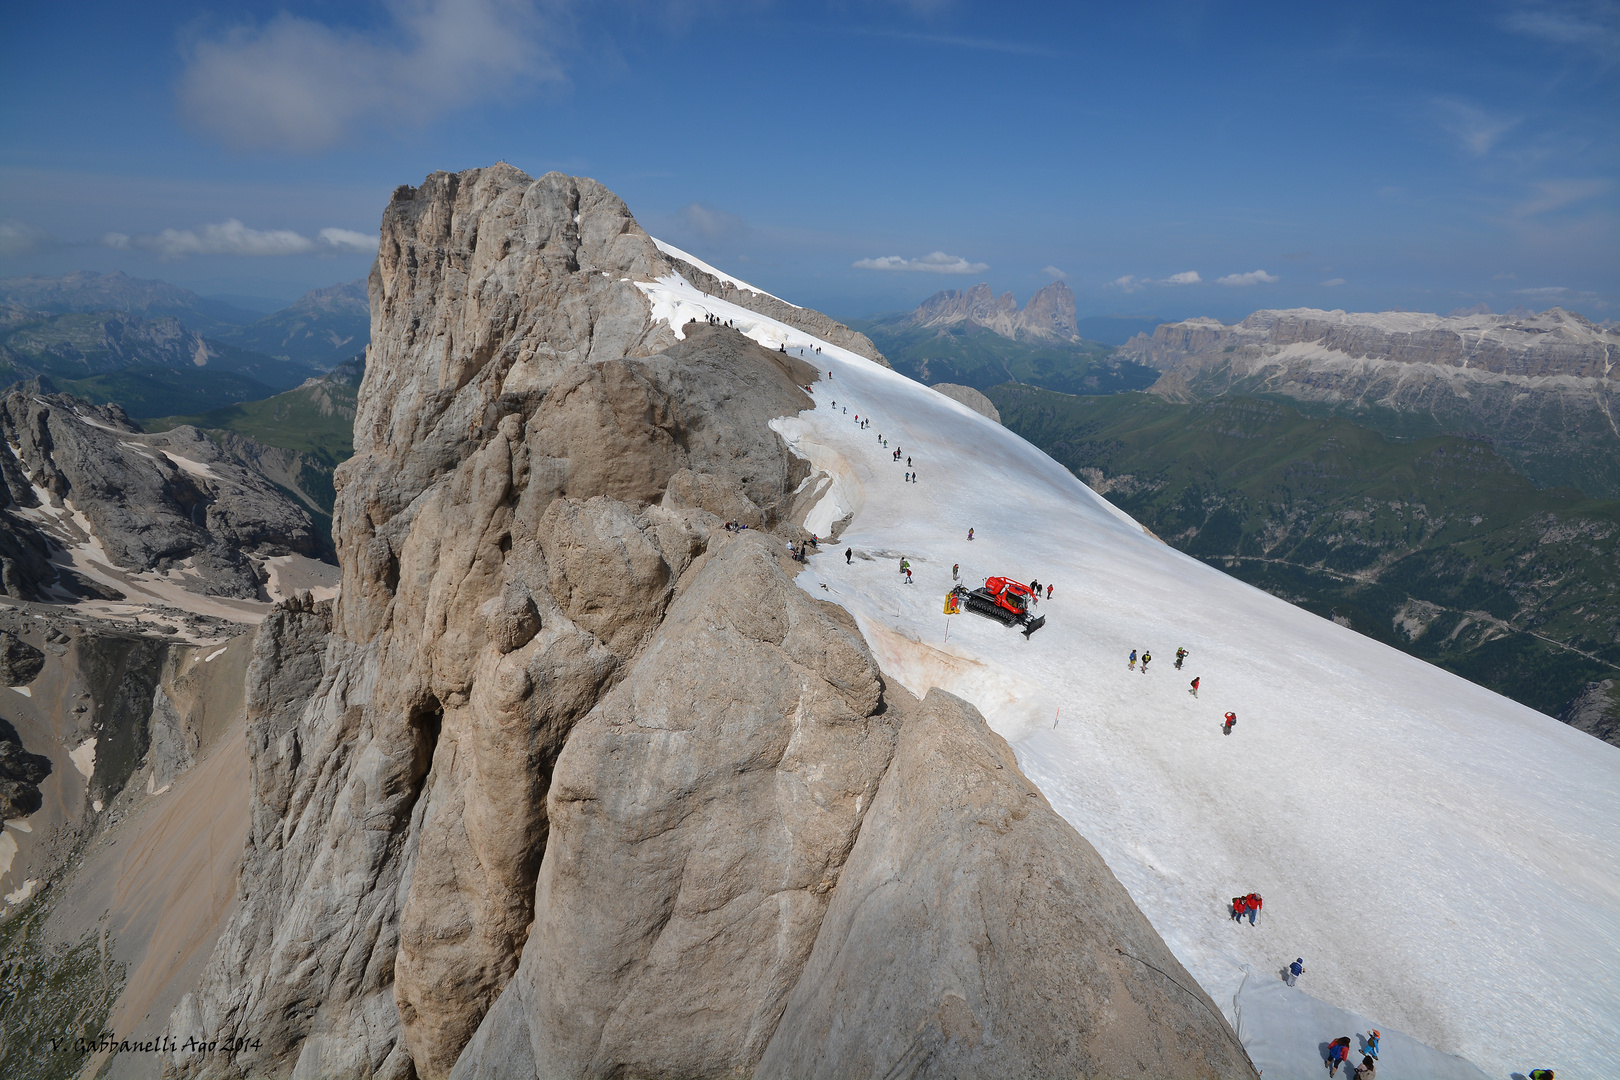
1050	314
573	779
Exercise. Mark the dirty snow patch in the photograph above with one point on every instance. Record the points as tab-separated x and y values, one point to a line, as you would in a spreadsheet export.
23	893
84	757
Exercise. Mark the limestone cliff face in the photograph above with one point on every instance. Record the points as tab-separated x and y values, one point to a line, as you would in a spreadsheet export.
1543	387
566	781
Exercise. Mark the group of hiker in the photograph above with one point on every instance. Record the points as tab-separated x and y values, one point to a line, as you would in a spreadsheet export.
1339	1054
1250	905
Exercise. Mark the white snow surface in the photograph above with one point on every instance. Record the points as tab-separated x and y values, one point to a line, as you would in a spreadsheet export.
1446	860
671	249
1287	1031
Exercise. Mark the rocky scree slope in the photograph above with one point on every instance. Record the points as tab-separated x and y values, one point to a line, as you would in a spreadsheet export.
571	781
1542	388
84	487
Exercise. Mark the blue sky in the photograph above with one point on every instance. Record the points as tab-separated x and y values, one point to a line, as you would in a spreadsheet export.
1167	159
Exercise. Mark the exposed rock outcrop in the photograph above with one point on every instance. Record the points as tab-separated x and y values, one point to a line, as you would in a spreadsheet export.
970	397
565	781
677	908
1596	711
1542	388
520	422
21	773
19	661
166	503
1049	315
975	933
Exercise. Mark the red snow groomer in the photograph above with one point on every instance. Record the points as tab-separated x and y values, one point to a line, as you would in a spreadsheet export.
1005	600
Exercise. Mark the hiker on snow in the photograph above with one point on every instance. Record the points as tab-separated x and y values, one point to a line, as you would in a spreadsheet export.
1338	1054
955	566
1366	1070
1181	654
1132	664
1231	720
1239	906
849	556
1253	903
1372	1045
970	534
1049	592
1295	970
1194	690
1146	656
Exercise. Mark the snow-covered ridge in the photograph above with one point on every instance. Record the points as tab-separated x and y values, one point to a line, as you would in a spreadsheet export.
1436	852
675	252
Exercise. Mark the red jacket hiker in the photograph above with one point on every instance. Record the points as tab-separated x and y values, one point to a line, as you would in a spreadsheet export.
1240	904
1254	904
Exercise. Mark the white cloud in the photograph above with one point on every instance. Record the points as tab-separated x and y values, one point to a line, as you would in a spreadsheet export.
20	238
234	238
347	240
1332	282
1476	129
935	263
1131	283
300	85
1253	277
1591	25
1054	273
1557	194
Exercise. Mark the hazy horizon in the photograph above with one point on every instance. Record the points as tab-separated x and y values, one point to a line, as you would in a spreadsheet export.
1180	159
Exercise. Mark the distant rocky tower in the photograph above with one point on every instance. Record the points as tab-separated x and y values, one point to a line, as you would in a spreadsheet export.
1049	316
573	782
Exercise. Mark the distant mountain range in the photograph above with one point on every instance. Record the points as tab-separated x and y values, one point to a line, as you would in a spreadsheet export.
1049	315
159	350
1541	389
322	327
975	338
86	291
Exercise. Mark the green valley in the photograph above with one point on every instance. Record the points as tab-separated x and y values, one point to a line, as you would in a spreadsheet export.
981	358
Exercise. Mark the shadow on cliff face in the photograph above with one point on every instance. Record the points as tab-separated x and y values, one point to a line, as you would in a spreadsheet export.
570	769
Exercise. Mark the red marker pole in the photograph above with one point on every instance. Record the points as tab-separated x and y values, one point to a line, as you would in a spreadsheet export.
1057	718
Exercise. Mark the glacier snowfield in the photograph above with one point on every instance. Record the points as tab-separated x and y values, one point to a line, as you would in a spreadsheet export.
1445	860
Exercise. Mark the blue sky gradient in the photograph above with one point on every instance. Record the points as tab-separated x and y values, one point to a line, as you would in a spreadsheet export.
1365	156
